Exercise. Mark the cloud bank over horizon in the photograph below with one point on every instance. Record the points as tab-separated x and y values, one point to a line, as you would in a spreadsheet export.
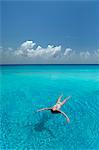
30	53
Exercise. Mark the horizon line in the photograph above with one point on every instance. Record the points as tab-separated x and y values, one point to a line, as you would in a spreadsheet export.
42	64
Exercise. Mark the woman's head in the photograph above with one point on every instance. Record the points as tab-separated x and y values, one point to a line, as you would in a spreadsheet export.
54	108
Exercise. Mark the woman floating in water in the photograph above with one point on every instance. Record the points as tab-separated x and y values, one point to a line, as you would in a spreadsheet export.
57	106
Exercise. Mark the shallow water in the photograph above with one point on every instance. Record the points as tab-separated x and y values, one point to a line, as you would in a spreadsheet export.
24	89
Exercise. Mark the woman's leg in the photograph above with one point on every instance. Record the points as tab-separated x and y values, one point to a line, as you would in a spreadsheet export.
59	99
64	101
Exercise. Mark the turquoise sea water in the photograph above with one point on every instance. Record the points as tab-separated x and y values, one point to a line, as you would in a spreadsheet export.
24	89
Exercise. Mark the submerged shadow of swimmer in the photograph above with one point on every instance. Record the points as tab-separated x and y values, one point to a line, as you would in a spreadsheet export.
40	126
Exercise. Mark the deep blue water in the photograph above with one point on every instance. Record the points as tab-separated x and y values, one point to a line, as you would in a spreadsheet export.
26	88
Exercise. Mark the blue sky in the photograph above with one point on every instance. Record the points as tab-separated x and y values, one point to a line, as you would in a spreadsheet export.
74	24
71	24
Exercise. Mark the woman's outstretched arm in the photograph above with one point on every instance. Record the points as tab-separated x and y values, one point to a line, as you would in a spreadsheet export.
43	109
68	120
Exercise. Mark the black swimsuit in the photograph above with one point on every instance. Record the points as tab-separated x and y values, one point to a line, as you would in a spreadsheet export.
54	112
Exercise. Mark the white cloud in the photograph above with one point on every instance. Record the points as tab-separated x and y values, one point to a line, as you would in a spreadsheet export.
97	53
19	52
29	52
27	45
85	54
67	51
27	49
